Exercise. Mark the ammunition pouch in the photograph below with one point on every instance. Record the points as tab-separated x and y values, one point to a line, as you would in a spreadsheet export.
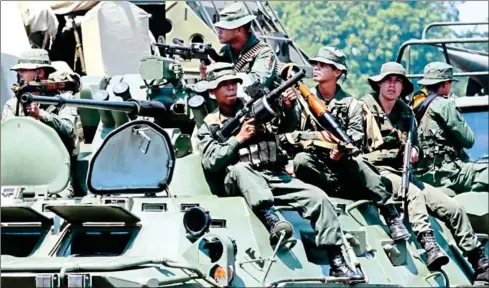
261	154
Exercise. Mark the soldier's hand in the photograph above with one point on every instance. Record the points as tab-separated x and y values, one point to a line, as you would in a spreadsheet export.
335	155
247	131
202	69
289	96
414	155
34	111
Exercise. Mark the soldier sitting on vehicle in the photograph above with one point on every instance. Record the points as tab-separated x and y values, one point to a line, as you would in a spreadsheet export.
35	65
253	166
391	115
443	135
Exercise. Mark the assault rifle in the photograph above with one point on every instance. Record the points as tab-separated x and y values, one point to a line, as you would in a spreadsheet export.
406	166
199	51
261	106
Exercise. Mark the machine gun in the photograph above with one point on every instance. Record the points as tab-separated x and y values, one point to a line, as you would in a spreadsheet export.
320	110
260	106
199	51
153	109
406	166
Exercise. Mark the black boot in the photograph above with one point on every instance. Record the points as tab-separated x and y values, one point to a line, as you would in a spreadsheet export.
479	262
435	257
275	226
397	228
338	266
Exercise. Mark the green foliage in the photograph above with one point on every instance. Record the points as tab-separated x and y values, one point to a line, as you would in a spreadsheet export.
369	33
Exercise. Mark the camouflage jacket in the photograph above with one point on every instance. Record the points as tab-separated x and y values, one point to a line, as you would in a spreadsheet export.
443	134
262	67
62	120
394	129
216	156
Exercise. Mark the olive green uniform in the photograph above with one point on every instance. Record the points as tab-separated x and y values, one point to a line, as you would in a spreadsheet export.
394	128
345	175
443	134
261	178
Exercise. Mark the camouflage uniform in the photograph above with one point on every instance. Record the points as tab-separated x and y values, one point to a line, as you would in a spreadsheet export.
314	165
256	58
62	120
256	171
388	159
443	135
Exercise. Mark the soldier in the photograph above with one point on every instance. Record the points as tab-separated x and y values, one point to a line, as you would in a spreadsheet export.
253	165
242	48
35	65
321	167
443	135
391	116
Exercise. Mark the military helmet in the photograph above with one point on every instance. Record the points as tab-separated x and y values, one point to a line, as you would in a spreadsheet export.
437	72
234	16
332	56
392	68
34	59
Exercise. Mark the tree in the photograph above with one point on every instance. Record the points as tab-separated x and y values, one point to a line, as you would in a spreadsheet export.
369	33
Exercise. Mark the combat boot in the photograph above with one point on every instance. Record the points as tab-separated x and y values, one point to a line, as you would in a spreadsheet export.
276	226
397	228
338	266
435	256
479	262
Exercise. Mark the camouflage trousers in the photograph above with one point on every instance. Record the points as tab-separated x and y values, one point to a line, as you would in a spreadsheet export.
264	188
459	177
437	204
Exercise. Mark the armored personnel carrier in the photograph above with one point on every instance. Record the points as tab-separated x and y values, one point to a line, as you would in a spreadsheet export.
145	216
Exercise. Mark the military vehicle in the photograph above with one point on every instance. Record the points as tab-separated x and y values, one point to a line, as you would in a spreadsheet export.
145	215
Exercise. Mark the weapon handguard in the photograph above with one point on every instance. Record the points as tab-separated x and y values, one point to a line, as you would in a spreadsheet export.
406	167
233	124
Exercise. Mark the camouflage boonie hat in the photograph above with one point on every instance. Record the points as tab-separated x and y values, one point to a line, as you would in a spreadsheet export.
392	68
34	59
332	56
234	16
437	72
215	74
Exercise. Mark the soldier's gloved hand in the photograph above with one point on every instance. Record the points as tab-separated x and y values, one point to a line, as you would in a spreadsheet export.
289	96
414	155
247	131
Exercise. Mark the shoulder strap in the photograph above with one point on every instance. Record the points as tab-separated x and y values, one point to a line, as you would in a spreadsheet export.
421	109
250	54
372	131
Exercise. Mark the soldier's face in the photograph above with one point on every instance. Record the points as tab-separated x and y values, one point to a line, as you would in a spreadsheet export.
226	35
324	72
445	88
226	92
29	74
391	87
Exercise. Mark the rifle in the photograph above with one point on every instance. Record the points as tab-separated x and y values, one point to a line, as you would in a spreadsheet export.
199	51
321	110
260	106
406	166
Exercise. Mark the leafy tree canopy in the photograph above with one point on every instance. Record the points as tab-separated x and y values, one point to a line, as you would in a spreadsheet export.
369	33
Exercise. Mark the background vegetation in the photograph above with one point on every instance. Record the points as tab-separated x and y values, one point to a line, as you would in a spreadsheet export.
369	33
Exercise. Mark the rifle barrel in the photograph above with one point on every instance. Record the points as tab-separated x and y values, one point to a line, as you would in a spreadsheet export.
126	106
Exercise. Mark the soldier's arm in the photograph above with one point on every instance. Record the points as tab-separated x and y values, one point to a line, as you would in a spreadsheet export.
455	123
214	155
64	122
355	127
263	68
8	111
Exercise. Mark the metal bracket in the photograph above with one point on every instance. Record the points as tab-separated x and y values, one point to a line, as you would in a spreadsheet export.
47	281
145	141
79	281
